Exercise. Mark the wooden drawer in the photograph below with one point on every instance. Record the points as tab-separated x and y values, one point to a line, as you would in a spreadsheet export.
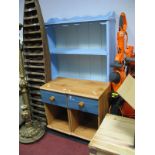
54	98
83	104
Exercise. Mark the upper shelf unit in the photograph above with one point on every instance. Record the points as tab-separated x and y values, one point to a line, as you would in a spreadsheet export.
82	47
79	35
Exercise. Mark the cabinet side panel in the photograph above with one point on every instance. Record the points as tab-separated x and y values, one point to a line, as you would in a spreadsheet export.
103	105
50	37
54	66
112	43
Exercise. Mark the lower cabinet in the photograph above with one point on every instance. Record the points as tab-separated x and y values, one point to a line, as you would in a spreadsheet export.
73	114
70	121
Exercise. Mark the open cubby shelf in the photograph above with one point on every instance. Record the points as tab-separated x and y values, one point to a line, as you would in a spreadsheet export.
84	125
80	66
57	118
79	42
80	36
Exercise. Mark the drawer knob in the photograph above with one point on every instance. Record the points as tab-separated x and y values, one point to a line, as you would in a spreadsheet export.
52	98
81	104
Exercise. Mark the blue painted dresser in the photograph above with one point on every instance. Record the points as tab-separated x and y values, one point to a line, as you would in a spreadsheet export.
82	49
74	106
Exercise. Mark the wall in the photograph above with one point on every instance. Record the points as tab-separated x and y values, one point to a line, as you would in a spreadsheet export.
70	8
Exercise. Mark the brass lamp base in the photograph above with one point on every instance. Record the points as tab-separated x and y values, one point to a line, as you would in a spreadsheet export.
31	132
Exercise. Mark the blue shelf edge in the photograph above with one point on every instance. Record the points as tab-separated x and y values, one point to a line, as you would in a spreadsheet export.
77	19
80	51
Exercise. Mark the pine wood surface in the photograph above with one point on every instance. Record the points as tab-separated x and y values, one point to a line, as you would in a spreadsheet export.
115	136
84	132
59	125
84	88
103	105
127	90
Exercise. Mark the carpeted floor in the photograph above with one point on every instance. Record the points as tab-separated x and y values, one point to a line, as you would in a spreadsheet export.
54	143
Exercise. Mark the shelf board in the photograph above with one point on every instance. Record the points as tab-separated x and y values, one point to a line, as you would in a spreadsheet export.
32	39
34	92
33	66
31	25
38	111
32	32
38	46
34	86
59	125
84	132
80	51
30	9
29	2
31	17
33	61
33	54
36	99
38	117
35	79
37	105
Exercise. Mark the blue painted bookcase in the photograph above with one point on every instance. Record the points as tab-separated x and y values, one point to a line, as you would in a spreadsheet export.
82	47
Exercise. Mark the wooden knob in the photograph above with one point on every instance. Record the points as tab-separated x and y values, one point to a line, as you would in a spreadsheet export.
52	98
81	104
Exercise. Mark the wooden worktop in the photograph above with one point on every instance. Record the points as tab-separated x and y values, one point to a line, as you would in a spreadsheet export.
84	88
114	136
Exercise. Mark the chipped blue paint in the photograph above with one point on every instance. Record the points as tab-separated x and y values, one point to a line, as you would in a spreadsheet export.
90	105
60	99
